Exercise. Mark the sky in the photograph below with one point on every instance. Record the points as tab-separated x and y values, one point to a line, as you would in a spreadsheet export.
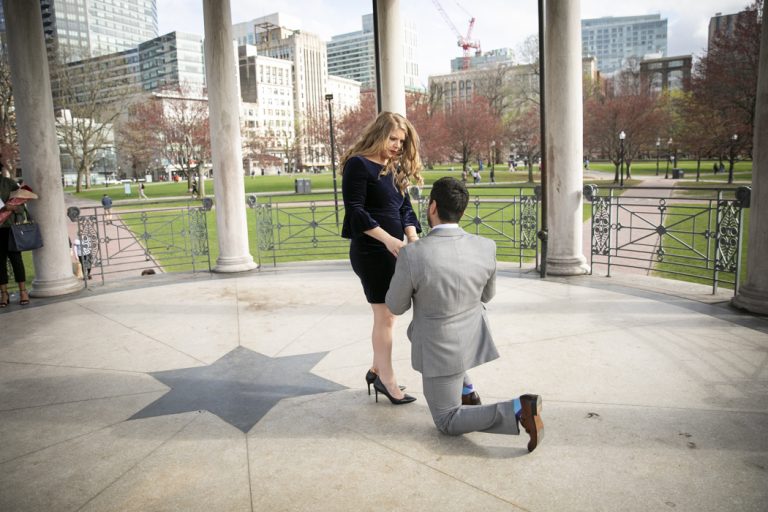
498	23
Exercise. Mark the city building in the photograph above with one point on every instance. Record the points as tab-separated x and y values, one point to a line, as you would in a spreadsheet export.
267	111
346	94
616	41
307	53
352	55
666	74
484	60
171	60
724	25
80	29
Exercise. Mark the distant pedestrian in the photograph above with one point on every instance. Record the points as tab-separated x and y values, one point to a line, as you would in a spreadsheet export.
142	195
106	202
715	167
195	192
493	175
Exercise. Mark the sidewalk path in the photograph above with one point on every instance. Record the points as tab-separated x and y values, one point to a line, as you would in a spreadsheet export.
136	399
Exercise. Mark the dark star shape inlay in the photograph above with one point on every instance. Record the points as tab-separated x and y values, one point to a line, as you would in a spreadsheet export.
239	388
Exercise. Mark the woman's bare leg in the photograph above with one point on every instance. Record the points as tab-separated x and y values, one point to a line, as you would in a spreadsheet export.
383	323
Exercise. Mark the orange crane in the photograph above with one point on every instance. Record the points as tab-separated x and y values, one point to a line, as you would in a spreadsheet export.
464	42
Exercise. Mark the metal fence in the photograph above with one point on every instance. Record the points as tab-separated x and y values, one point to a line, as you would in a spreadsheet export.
154	240
696	235
309	227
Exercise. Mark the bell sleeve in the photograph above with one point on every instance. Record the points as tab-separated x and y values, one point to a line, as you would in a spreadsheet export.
407	215
354	188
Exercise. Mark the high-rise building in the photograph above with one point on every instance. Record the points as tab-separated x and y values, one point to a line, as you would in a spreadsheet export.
615	41
724	25
353	55
484	60
173	59
81	29
266	89
308	54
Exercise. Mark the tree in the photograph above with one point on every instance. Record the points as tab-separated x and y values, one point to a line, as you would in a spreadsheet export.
471	129
639	116
525	135
351	125
9	146
86	110
725	79
430	124
174	125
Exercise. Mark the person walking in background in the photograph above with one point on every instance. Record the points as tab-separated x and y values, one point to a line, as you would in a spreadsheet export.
106	202
376	173
83	252
7	185
449	332
142	195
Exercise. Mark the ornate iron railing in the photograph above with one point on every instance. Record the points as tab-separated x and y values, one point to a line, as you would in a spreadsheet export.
288	230
162	239
695	235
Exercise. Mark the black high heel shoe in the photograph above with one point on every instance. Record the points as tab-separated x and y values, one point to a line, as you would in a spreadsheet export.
370	377
379	387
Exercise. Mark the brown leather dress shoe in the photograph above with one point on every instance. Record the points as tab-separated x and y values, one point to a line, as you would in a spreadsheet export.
471	399
530	419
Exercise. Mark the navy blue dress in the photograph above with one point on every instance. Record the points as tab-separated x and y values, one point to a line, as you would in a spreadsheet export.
371	200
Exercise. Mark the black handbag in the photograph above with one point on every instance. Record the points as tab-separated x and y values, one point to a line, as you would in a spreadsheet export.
25	236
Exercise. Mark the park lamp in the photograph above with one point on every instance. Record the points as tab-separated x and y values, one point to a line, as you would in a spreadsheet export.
735	137
658	142
622	135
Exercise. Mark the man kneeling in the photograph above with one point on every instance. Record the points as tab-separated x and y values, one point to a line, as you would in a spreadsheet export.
448	275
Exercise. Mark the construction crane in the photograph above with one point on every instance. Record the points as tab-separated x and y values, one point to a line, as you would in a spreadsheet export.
464	42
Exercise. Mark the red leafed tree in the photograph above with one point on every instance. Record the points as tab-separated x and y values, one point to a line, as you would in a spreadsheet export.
525	136
430	125
351	126
471	128
641	118
9	147
174	126
725	79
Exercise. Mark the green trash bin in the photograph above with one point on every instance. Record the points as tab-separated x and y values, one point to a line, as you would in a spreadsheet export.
678	174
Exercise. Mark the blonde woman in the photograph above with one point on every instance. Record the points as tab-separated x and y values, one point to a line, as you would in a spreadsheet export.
376	174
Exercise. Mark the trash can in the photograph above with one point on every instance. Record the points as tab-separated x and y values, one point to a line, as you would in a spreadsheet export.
302	186
677	174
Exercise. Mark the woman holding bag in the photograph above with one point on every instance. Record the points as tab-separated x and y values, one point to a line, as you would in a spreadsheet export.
7	185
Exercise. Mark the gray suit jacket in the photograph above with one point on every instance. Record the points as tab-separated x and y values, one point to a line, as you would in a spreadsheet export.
448	275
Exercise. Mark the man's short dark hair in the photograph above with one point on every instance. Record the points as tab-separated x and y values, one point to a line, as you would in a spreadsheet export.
451	197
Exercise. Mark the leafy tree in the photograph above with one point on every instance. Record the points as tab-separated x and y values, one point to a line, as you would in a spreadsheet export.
430	123
88	101
471	129
525	135
725	80
9	146
174	125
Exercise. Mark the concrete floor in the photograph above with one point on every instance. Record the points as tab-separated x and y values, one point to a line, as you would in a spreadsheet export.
192	393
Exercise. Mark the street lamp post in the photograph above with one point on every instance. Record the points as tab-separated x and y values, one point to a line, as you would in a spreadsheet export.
329	99
734	138
658	144
669	155
622	136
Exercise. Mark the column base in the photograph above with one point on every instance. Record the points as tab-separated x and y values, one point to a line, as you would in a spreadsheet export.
239	264
576	266
751	300
55	287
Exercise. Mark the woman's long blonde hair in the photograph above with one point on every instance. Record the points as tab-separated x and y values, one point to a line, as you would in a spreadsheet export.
407	168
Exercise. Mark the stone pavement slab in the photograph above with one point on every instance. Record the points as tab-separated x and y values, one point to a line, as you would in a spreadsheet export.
652	401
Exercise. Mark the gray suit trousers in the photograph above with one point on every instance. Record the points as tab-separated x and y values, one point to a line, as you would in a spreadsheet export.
443	396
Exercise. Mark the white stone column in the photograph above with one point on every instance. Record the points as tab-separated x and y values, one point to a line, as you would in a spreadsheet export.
39	147
226	151
564	137
391	58
753	296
